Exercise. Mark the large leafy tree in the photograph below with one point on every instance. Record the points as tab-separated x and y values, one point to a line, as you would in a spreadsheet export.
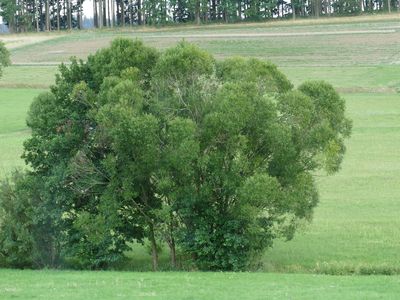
214	158
258	142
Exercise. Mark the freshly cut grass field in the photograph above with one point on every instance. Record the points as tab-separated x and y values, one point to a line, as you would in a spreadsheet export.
169	285
356	226
28	77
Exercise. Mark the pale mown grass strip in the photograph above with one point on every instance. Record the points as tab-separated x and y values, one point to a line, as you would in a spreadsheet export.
195	285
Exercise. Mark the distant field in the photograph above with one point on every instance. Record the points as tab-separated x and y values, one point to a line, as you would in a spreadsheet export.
24	77
356	227
174	286
368	41
368	48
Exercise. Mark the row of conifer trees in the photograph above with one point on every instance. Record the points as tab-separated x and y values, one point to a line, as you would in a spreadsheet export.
46	15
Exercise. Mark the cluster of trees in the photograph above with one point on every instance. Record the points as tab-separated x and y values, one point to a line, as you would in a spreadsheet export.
213	159
30	15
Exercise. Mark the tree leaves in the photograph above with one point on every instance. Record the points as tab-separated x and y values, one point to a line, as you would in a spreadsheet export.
213	158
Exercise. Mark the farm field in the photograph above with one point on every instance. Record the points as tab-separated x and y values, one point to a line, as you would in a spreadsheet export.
172	285
14	104
356	226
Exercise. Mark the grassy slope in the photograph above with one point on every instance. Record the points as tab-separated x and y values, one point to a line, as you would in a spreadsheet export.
356	225
357	222
120	285
28	77
14	104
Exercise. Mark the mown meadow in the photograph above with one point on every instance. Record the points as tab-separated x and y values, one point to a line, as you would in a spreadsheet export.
355	229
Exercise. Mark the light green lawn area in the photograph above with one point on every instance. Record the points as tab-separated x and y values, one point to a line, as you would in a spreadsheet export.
128	285
350	79
356	225
28	77
347	79
14	104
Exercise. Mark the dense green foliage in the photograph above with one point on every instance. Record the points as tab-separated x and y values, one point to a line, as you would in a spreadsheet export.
28	223
215	159
4	57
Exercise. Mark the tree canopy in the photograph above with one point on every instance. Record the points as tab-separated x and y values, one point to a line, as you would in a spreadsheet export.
215	159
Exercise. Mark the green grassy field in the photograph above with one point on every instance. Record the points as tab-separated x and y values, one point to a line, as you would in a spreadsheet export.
356	227
129	285
357	223
14	104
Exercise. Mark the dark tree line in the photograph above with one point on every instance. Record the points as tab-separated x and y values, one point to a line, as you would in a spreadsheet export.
44	15
41	15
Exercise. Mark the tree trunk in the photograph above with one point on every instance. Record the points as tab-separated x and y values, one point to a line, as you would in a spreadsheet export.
130	13
69	14
47	16
79	14
58	15
94	14
213	10
293	11
22	16
36	15
225	14
123	13
112	20
197	12
165	11
108	14
389	8
104	13
100	15
154	251
144	17
139	6
172	250
171	242
317	8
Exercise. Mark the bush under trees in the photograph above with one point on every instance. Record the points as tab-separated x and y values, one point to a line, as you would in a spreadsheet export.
213	158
